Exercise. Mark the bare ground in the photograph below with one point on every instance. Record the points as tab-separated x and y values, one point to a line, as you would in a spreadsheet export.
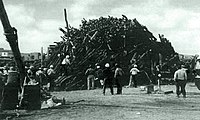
133	104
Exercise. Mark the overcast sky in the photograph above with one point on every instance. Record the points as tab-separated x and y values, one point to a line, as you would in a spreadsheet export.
37	21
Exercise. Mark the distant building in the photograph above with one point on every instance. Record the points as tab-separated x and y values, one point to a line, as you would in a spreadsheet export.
6	53
186	58
31	56
51	50
6	56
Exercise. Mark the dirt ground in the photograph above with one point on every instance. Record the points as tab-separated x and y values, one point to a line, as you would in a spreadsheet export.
133	104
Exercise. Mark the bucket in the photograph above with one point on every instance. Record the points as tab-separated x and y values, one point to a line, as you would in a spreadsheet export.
150	88
32	97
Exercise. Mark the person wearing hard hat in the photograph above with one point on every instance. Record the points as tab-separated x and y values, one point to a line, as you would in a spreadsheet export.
134	71
108	78
65	64
51	75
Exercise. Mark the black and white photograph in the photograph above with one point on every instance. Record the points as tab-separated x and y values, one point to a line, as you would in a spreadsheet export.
99	60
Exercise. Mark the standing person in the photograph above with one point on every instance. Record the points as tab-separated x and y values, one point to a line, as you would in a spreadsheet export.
1	83
39	75
108	78
118	77
42	77
134	71
5	74
11	90
90	73
31	77
31	72
158	76
99	75
65	65
51	75
180	77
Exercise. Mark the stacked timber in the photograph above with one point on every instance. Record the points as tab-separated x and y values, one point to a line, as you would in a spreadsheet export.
109	39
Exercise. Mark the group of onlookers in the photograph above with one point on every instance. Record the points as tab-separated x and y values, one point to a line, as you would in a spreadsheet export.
42	76
13	90
109	76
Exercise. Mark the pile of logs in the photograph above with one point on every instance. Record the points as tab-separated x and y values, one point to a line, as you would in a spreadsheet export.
109	39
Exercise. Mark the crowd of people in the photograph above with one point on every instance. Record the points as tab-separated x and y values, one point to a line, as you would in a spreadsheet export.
39	82
34	91
108	76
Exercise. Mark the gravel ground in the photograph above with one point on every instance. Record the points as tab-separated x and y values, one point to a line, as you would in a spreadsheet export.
133	104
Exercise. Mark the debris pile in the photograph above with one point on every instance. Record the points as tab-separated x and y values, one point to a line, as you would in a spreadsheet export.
109	39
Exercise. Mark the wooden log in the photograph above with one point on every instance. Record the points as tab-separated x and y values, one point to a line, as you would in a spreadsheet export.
129	36
11	35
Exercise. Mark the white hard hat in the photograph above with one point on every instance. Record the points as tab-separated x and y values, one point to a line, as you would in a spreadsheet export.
31	67
198	58
159	75
51	66
135	66
107	65
67	56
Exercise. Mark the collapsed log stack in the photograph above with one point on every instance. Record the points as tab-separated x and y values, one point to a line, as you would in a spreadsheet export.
108	39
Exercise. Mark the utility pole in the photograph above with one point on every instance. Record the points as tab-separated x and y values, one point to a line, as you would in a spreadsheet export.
12	38
67	24
42	56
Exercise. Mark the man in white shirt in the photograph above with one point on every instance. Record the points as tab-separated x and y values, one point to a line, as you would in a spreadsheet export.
134	71
65	65
180	77
51	76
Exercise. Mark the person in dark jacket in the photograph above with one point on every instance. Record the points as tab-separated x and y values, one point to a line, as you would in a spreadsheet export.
11	90
99	75
1	83
118	77
108	78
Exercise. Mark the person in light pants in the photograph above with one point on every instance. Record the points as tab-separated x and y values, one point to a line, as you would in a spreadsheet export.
133	82
90	72
180	77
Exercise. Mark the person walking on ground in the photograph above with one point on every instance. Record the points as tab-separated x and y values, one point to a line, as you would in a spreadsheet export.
134	71
118	77
108	78
90	73
51	75
180	77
